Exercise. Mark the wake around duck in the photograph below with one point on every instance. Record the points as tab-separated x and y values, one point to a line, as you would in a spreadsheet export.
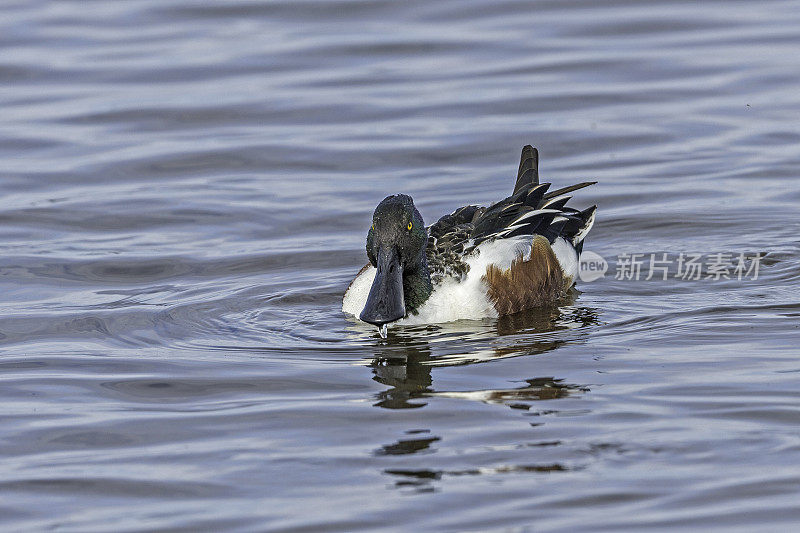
476	262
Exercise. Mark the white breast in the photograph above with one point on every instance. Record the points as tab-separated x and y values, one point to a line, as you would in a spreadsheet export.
356	296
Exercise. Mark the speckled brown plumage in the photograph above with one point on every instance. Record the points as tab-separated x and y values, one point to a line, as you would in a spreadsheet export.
527	284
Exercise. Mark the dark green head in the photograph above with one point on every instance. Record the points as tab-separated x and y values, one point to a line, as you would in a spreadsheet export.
396	248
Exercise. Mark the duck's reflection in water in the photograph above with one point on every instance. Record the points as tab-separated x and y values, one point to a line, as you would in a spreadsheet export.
405	363
421	480
547	320
409	378
408	445
406	360
411	383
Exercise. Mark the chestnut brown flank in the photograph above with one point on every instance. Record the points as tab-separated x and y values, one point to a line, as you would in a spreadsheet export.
527	284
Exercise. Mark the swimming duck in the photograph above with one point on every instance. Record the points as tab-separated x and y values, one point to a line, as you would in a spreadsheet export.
476	262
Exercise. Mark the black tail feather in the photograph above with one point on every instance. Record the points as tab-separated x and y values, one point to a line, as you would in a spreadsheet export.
536	194
528	172
558	204
555	230
532	210
587	213
565	190
536	224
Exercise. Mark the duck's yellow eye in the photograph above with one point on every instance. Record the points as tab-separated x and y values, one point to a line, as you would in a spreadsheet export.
410	225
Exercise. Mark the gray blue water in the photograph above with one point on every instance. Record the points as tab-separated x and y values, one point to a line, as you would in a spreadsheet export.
186	189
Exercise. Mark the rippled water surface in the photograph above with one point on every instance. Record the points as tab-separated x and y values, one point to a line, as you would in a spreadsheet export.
186	192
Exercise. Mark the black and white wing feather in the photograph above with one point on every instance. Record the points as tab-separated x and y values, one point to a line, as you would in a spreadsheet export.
535	210
532	209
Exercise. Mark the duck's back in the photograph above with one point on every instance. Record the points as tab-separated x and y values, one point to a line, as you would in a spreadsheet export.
530	211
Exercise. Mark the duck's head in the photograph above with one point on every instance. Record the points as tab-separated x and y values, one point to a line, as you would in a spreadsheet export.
396	248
